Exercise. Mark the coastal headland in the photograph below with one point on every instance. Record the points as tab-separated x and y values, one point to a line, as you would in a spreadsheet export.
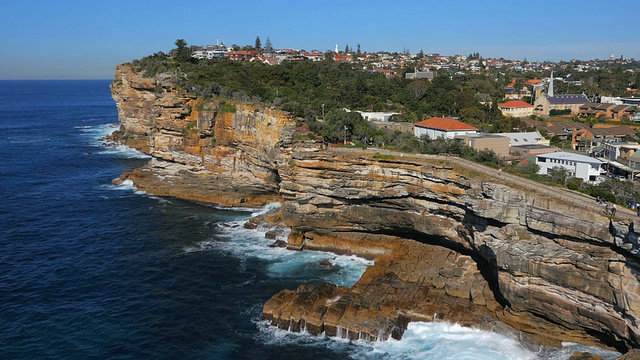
448	243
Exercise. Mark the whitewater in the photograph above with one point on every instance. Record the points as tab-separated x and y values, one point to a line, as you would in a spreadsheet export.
89	269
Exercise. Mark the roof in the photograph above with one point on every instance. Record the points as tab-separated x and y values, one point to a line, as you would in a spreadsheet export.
567	99
515	104
445	124
621	130
563	155
534	147
523	138
589	105
619	108
604	106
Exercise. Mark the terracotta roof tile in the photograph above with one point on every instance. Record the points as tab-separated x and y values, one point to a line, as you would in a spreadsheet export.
444	124
516	104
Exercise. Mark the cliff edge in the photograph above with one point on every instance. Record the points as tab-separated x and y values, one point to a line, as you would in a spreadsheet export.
449	244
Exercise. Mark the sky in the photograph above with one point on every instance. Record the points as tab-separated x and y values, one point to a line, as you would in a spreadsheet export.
70	39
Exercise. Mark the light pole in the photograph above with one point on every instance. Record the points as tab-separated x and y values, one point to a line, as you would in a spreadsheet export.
322	111
345	134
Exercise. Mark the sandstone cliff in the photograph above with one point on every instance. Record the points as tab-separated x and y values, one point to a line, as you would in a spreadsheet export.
203	151
448	243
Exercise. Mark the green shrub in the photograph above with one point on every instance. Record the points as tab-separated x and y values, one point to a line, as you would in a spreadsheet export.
227	108
191	128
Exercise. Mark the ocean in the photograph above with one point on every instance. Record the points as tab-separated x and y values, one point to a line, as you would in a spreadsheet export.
91	270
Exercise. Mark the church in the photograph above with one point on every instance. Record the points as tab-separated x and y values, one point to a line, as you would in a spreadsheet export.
549	101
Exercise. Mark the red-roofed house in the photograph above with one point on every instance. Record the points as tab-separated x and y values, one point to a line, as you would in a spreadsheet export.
442	128
343	58
242	55
516	108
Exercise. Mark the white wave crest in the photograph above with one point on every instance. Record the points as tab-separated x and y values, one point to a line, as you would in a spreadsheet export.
442	340
267	209
123	151
126	185
234	239
97	131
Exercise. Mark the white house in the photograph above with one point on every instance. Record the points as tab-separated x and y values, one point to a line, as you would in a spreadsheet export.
374	116
580	166
442	128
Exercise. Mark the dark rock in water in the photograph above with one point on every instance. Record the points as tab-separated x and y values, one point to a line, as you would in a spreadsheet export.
326	262
278	243
271	235
584	356
633	354
251	225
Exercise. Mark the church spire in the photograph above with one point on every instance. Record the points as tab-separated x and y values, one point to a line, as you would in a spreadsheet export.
550	91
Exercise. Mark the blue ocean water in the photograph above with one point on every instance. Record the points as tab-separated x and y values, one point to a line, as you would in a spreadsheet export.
90	270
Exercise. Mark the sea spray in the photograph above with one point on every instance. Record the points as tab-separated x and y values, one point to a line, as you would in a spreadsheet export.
232	238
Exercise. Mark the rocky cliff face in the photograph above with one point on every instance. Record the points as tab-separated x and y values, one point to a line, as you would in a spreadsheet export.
212	151
447	243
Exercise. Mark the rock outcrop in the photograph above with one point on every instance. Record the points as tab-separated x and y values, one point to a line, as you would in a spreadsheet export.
212	151
448	244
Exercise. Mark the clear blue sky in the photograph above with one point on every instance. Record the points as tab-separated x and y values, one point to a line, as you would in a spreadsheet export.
70	39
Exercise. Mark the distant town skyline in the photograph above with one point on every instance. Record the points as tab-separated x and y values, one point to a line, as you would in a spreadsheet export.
72	39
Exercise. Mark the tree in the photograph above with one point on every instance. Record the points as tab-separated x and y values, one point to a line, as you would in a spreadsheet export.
268	47
359	52
558	175
346	48
182	51
258	45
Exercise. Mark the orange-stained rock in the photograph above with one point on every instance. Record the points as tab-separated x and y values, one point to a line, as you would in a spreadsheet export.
447	244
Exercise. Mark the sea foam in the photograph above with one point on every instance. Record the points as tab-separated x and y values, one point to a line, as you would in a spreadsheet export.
442	340
233	239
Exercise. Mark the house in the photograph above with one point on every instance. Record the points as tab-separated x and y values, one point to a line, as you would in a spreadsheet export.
343	58
586	138
242	55
596	109
313	56
210	51
619	132
496	143
526	138
516	108
374	115
584	167
429	75
446	128
531	150
618	112
387	72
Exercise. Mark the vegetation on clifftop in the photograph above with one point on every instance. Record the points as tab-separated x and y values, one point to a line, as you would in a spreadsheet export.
319	92
302	88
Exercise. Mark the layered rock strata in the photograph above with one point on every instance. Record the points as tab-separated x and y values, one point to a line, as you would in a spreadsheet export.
211	151
447	244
